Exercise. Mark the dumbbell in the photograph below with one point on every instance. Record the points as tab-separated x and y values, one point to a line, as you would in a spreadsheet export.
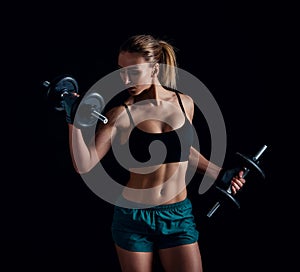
248	164
88	108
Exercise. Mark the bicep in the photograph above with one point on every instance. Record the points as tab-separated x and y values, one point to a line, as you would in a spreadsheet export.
104	136
103	140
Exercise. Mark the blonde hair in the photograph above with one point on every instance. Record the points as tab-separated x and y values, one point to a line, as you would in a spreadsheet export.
156	51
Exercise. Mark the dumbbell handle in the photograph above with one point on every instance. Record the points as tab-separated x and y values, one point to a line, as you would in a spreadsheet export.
99	116
46	83
246	171
94	113
218	203
259	153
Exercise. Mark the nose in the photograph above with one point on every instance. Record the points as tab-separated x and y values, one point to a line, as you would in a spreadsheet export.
125	77
127	80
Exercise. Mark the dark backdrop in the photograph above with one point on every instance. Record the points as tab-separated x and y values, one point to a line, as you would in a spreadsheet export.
52	220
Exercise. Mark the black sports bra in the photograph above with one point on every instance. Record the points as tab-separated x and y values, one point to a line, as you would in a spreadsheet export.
149	149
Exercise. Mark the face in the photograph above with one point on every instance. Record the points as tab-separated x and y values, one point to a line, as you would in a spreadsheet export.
135	72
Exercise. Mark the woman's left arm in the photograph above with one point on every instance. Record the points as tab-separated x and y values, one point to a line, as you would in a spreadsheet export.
204	166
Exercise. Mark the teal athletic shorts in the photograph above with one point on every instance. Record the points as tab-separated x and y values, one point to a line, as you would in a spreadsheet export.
158	227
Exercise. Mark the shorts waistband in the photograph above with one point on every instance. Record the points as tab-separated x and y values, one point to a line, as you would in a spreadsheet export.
127	204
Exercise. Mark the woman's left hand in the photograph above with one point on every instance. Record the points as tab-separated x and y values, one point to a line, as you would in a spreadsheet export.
237	182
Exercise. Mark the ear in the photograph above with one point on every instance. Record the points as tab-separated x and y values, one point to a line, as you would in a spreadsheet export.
155	69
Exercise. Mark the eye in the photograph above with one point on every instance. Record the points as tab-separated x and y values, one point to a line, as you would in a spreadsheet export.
134	72
130	72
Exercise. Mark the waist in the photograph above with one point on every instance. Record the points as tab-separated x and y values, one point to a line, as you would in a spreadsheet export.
164	185
128	204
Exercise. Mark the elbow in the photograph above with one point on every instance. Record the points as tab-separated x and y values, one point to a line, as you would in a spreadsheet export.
81	172
84	165
83	169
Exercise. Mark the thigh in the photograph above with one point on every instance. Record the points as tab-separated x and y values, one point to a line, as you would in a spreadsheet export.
134	261
181	258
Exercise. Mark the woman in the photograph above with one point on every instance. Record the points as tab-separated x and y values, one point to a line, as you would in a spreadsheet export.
160	218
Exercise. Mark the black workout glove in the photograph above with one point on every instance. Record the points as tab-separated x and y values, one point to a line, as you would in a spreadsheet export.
225	176
70	102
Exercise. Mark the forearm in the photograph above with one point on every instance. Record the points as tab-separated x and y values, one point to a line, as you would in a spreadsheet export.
203	165
84	157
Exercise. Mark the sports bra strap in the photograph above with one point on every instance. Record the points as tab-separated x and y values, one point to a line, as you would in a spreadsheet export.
129	114
180	102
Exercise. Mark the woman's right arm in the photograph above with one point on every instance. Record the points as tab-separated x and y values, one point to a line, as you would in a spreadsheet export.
86	156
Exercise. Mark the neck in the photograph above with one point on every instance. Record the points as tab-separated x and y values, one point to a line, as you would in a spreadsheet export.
153	94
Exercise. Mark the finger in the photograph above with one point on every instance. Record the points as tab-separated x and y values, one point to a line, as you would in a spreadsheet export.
241	173
233	190
240	182
236	184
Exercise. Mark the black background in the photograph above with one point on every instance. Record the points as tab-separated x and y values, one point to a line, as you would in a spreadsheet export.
51	220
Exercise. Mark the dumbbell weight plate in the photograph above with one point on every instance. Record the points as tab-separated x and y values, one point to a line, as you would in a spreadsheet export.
249	163
57	87
225	196
91	102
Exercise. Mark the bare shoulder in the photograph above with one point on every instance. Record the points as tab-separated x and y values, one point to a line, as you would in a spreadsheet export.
188	104
115	113
186	99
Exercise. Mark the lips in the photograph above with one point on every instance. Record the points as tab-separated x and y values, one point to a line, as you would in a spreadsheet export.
131	90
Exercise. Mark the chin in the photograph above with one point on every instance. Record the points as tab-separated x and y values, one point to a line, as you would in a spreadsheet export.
135	92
